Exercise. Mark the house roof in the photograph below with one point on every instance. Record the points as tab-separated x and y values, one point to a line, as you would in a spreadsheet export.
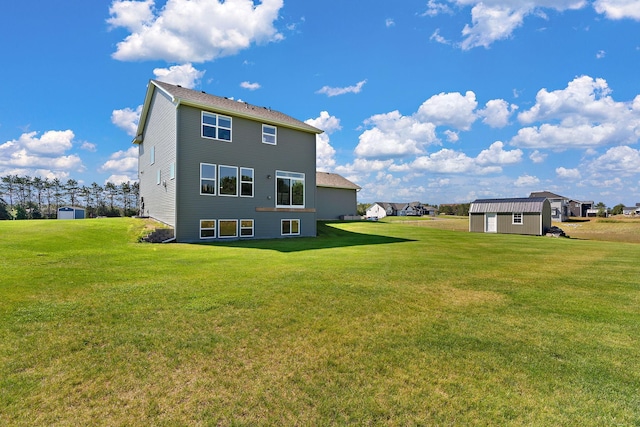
333	180
200	99
547	194
529	204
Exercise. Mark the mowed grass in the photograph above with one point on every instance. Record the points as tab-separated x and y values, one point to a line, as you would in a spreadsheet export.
367	324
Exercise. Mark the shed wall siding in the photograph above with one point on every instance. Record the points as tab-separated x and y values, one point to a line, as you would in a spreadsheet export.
160	132
335	202
294	152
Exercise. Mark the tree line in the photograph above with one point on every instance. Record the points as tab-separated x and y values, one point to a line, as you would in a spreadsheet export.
25	197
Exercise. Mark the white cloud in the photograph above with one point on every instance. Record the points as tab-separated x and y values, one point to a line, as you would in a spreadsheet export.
88	146
452	136
325	153
450	109
389	22
621	160
497	113
335	91
395	135
568	174
451	162
496	155
583	115
184	75
120	179
492	23
122	161
438	38
526	181
31	154
127	119
618	9
434	8
250	86
601	54
537	157
192	30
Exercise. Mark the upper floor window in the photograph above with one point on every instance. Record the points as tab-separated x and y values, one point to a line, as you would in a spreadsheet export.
517	218
216	126
228	180
207	179
246	182
289	189
269	134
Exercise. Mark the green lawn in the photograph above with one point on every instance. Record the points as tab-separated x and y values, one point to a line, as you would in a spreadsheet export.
368	324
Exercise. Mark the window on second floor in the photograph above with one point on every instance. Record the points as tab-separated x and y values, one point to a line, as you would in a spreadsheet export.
269	134
246	182
227	180
216	126
207	179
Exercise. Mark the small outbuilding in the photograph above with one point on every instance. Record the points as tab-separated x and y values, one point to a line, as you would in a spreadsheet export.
70	212
530	215
336	197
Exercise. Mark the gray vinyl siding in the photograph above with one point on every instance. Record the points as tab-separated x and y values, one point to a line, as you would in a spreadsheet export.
335	202
159	132
294	152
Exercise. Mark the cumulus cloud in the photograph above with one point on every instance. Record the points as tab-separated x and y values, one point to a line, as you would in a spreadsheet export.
526	181
568	174
335	91
448	161
622	160
325	153
192	30
450	109
127	119
497	113
122	162
537	157
184	75
395	135
496	20
583	115
497	155
31	153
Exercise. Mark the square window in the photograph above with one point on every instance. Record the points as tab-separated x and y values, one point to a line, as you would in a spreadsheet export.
269	134
227	228
246	228
290	227
207	228
517	218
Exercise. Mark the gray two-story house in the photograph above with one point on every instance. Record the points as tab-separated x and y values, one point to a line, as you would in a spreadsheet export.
215	168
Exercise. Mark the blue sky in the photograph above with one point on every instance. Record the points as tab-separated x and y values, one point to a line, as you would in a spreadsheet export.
440	101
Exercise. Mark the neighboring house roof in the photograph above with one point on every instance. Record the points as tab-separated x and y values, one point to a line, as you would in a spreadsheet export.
333	180
201	99
530	204
547	194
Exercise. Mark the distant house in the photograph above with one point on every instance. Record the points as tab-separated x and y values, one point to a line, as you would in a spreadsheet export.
376	210
559	204
631	210
579	208
214	168
510	216
382	209
336	196
71	212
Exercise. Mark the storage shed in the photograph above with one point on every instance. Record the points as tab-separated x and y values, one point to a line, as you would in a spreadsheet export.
531	215
70	212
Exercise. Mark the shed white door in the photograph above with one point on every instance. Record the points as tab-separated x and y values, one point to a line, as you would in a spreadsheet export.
66	214
491	223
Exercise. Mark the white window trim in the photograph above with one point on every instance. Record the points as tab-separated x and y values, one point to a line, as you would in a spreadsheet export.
152	155
304	183
290	233
158	177
252	182
217	126
253	224
215	229
275	134
513	218
172	170
215	179
235	235
219	181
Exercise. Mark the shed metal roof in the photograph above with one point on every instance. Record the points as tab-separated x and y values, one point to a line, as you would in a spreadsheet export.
528	205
